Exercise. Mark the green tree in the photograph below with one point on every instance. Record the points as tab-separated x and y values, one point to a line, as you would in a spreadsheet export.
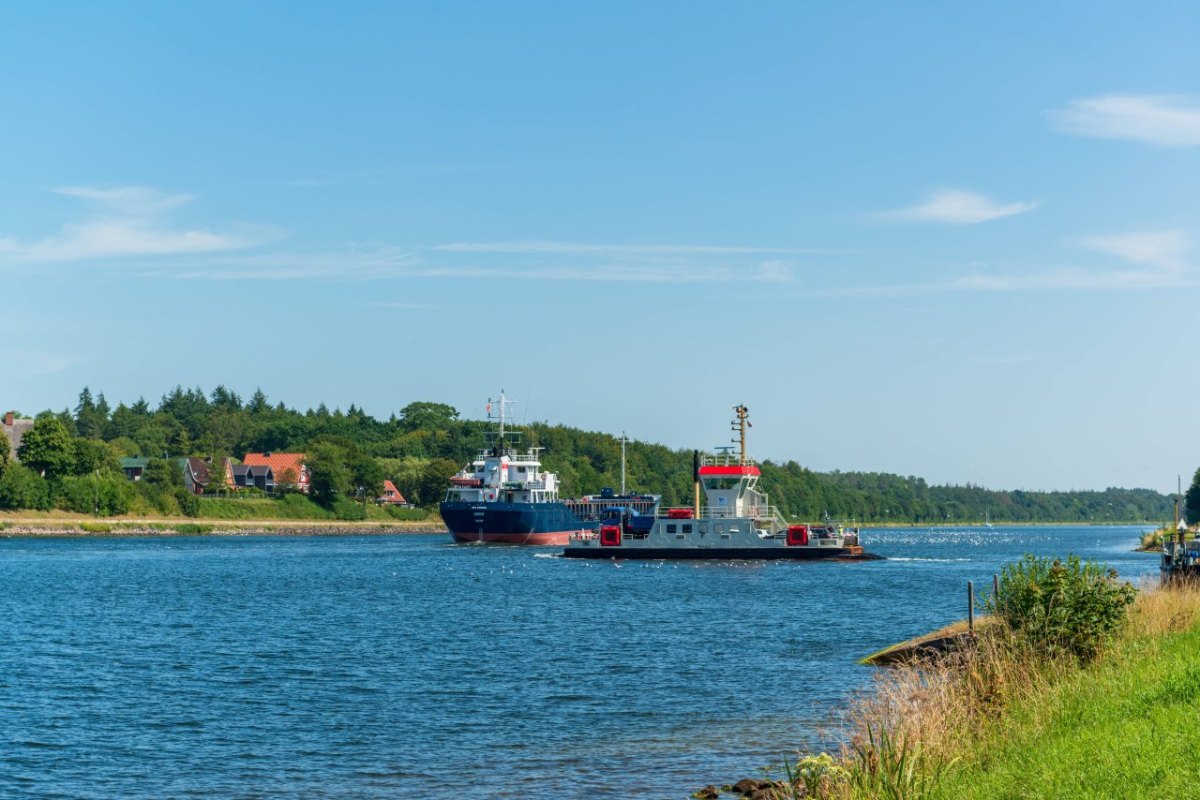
5	454
47	448
434	480
21	487
329	477
92	455
1191	500
427	416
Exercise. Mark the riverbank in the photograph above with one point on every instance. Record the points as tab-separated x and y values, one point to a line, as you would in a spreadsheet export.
59	525
1004	720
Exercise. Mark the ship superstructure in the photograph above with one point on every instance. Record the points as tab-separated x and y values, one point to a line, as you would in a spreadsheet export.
736	521
504	495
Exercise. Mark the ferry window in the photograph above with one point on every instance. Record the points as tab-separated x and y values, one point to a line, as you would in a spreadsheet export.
687	528
671	528
520	469
703	528
720	527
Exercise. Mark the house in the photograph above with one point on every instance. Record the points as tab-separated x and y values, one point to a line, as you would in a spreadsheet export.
15	428
253	476
134	467
288	469
198	474
391	496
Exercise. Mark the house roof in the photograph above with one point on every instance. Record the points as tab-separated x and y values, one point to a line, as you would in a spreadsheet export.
278	462
15	433
391	493
252	470
200	470
134	463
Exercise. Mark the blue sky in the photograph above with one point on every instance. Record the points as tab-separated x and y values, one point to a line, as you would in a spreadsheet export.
932	239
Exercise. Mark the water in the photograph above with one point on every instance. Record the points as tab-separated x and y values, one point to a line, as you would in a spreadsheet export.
371	667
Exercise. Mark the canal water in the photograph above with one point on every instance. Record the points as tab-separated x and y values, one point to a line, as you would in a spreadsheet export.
405	666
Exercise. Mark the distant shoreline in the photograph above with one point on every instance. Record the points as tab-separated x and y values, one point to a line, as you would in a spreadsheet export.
89	528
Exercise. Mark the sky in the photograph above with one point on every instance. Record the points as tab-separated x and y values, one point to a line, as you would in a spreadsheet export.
951	240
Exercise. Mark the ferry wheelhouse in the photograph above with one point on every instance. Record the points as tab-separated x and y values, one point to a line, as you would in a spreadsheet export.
736	521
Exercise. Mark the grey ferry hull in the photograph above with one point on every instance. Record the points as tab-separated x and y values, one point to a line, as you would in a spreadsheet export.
723	553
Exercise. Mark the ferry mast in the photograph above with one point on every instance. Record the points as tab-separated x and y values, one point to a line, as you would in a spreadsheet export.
740	424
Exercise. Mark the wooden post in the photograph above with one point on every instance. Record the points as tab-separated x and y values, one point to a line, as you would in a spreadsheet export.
971	608
995	590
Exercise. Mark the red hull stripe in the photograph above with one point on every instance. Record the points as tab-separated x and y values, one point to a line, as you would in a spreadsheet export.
734	470
556	538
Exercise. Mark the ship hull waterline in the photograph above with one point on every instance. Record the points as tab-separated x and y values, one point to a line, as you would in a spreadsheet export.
722	553
537	524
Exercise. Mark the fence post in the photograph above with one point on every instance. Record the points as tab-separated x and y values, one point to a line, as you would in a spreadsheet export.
971	608
995	590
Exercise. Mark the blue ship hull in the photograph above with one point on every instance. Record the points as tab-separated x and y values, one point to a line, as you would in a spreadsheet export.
512	523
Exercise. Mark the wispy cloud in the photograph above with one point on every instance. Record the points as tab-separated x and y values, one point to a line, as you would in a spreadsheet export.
382	262
127	221
24	364
1017	358
1159	248
1160	119
568	248
958	207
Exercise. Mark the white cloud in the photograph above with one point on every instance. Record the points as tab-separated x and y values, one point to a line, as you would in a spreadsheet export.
529	247
1160	248
126	221
958	207
1164	120
25	364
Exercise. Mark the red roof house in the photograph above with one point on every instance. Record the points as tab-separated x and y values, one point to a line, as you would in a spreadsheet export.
288	468
391	495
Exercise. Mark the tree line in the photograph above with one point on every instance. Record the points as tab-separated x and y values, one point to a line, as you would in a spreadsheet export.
71	459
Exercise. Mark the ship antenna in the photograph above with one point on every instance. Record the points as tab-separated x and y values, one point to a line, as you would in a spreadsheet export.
740	424
622	463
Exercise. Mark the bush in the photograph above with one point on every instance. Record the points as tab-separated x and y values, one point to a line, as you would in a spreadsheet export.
107	494
349	511
407	513
1062	608
193	529
95	527
21	487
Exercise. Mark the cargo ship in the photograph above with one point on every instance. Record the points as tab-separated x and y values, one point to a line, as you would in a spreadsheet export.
736	521
505	496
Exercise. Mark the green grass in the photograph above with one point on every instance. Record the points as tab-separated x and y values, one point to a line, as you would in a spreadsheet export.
1126	727
292	506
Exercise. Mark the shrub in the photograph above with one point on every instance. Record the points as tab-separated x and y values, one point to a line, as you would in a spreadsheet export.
1062	608
95	527
107	494
407	513
193	529
21	487
348	510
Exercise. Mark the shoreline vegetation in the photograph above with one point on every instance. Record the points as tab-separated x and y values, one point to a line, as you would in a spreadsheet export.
1080	686
74	460
60	525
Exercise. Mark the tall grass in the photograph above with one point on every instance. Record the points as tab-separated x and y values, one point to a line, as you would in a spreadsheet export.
923	729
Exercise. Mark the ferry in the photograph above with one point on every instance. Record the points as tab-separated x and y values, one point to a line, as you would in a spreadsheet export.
505	496
736	521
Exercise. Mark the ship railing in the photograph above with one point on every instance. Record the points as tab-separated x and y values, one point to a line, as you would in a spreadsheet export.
724	460
762	512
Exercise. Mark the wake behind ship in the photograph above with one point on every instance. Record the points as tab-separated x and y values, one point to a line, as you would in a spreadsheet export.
505	496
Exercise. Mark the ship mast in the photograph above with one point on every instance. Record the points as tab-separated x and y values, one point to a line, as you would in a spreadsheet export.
740	424
622	463
502	445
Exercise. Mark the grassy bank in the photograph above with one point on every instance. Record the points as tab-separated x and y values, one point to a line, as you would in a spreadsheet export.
1111	714
1125	727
